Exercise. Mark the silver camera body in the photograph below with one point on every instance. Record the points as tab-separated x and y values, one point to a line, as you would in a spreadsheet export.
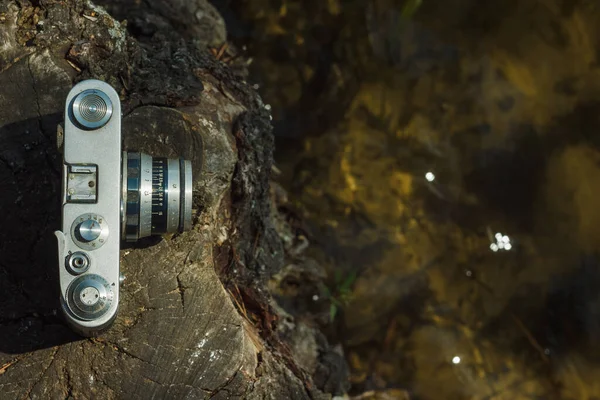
108	196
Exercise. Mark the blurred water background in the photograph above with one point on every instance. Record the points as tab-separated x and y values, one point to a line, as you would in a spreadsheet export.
444	157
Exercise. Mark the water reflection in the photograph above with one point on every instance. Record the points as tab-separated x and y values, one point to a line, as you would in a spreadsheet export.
447	155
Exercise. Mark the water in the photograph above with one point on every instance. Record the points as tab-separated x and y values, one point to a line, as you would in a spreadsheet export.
410	136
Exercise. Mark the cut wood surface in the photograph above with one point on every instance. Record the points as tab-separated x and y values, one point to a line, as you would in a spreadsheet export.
179	332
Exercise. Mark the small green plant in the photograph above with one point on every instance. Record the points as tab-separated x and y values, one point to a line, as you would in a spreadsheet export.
410	8
341	292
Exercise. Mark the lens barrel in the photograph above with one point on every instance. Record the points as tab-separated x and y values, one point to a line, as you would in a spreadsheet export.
157	196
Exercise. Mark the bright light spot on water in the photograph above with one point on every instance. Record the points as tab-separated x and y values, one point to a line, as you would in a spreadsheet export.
430	176
502	243
456	360
315	297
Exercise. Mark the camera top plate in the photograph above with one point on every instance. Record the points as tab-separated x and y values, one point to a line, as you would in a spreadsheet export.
92	155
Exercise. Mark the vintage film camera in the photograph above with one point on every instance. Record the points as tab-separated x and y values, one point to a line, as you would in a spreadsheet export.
109	195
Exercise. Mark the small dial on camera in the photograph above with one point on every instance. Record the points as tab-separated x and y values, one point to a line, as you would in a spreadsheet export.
77	263
89	297
89	231
91	109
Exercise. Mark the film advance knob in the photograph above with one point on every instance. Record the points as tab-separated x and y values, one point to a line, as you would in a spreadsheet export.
90	230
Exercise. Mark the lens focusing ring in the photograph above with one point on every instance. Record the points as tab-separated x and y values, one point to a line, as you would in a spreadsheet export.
174	190
146	195
132	203
92	109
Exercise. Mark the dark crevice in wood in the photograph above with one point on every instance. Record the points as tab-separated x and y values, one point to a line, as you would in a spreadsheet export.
69	383
181	290
37	97
43	373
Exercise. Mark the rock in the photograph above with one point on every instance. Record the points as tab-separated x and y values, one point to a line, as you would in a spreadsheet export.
195	20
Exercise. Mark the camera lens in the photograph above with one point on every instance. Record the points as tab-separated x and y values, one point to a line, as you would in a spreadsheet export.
157	195
91	109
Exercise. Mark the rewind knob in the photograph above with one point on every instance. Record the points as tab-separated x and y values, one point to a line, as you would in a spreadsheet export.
89	297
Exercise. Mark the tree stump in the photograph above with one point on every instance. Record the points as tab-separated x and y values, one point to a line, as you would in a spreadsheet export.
178	333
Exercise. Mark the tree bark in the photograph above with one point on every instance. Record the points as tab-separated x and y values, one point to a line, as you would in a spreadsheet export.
179	333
